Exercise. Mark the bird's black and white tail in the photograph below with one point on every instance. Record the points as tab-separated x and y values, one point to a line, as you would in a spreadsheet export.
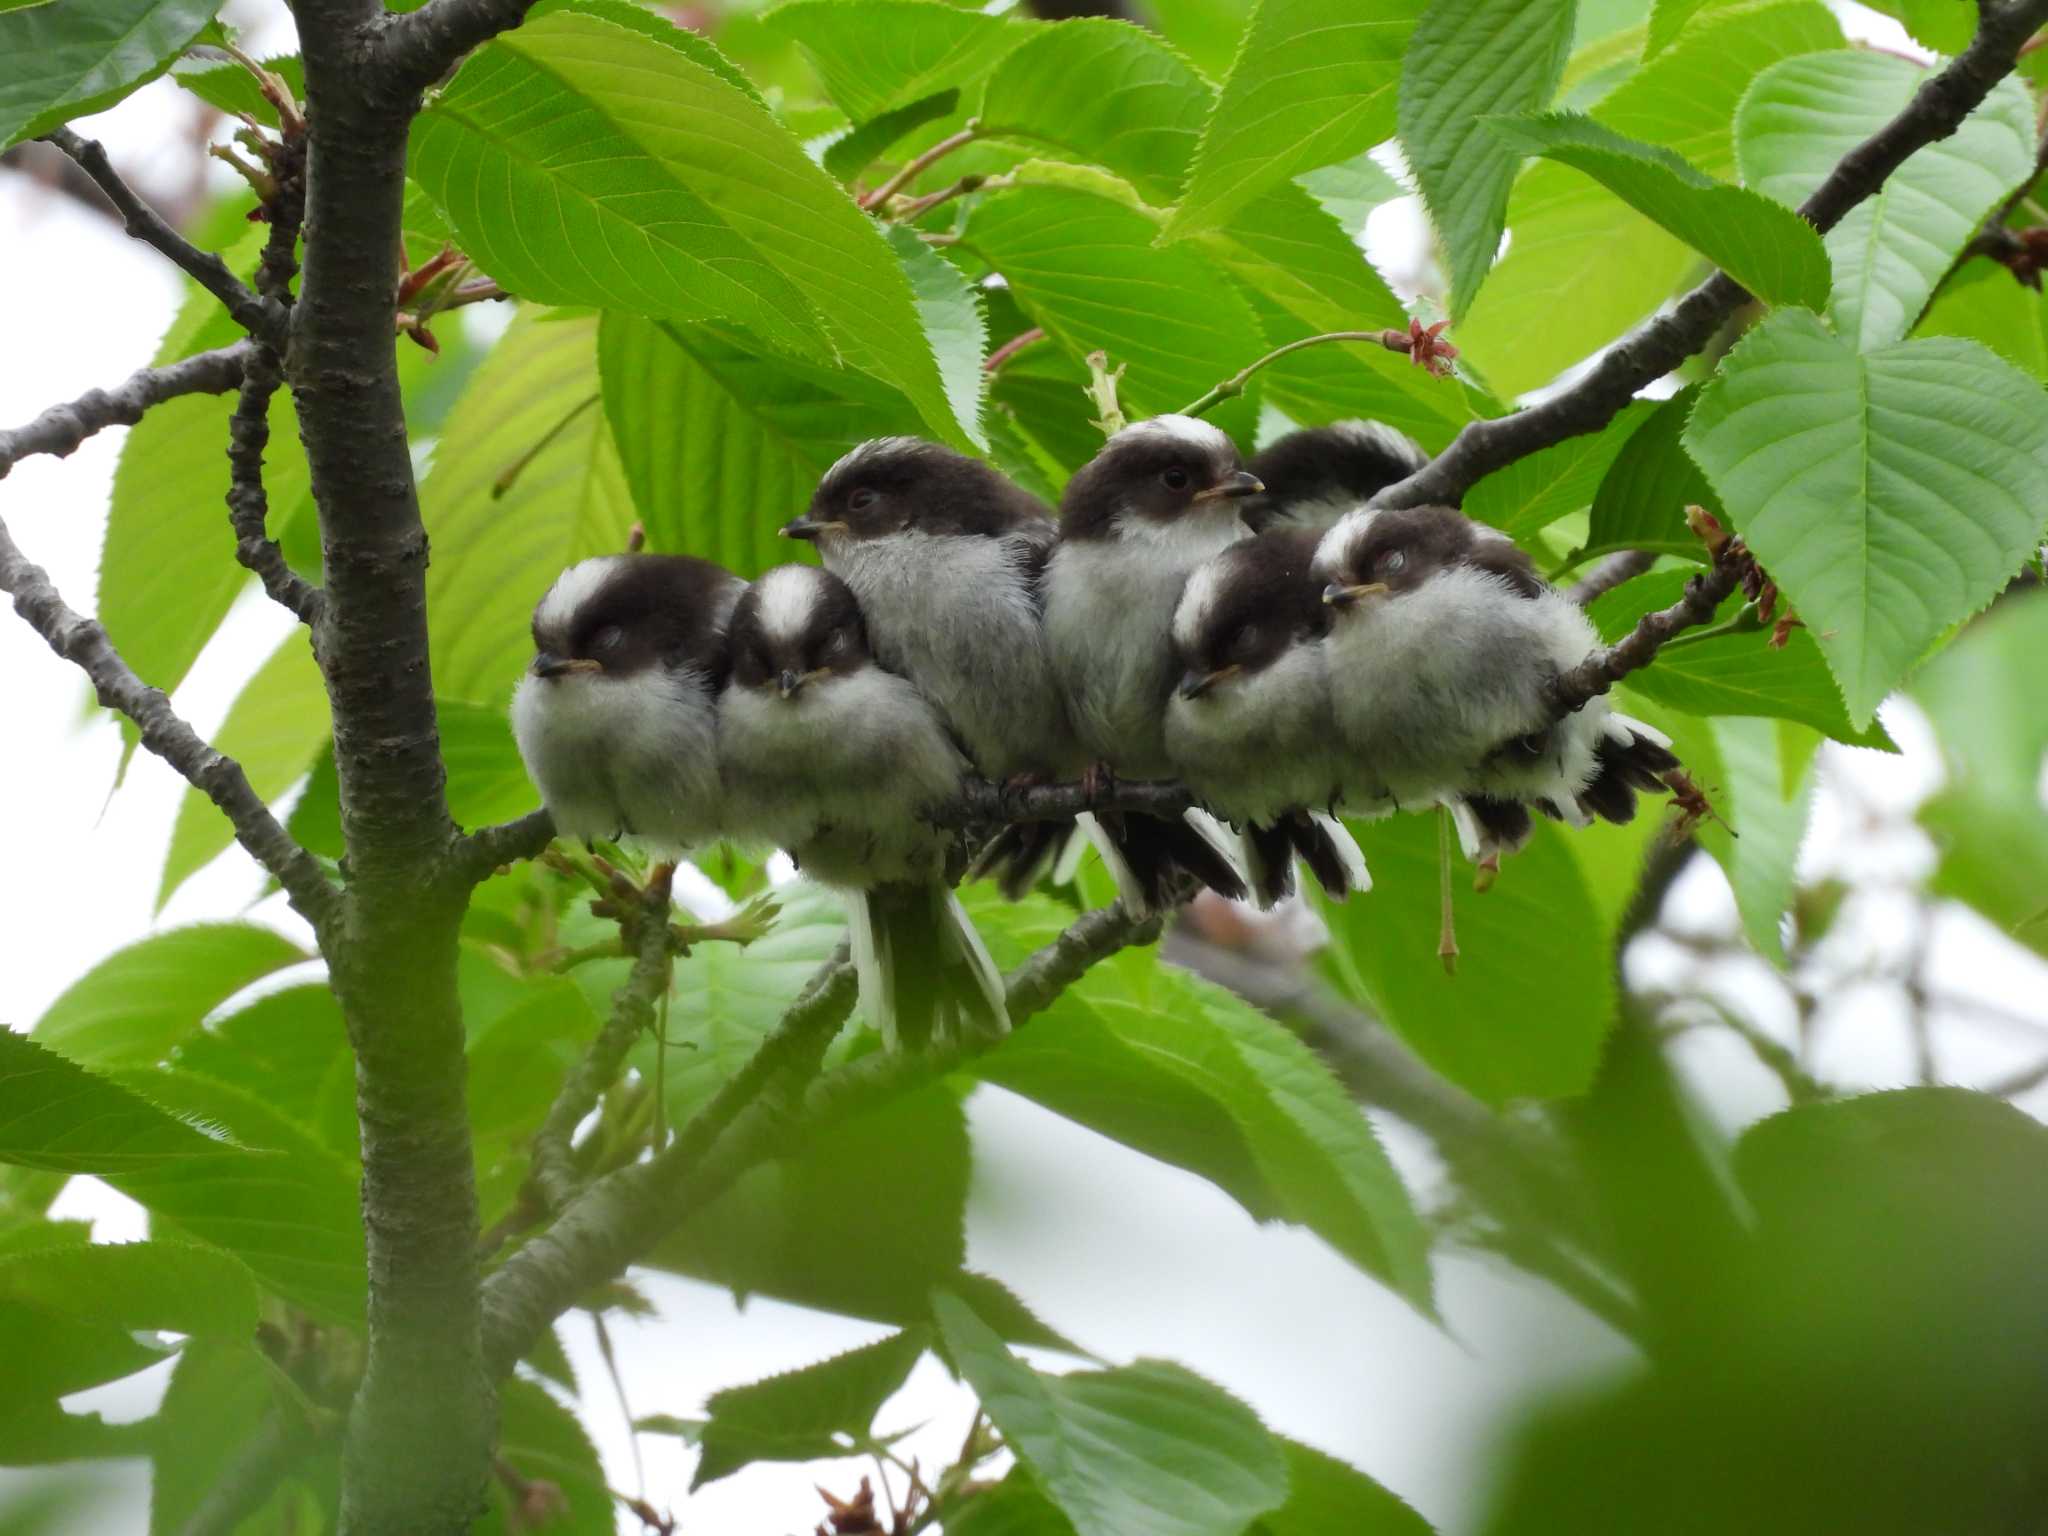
1016	856
1629	756
924	972
1152	857
1321	842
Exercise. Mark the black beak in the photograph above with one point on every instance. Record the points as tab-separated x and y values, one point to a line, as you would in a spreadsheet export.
789	683
547	664
1194	684
809	528
1233	486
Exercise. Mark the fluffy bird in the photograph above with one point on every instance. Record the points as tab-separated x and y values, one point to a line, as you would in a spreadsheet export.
1442	647
1314	476
1160	498
828	755
1249	728
616	718
944	556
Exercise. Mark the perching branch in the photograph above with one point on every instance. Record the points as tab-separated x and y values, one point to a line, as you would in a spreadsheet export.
60	429
83	642
1609	574
419	47
554	1172
260	317
982	804
764	1112
1656	347
1704	593
488	849
249	503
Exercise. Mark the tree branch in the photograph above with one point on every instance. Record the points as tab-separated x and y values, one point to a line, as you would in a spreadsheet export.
60	429
488	849
759	1115
418	48
1609	574
1656	347
249	503
554	1173
83	642
981	803
260	317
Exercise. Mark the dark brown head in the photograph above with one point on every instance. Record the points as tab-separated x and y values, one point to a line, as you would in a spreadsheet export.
1385	554
1245	608
618	615
1314	476
1153	475
797	625
902	484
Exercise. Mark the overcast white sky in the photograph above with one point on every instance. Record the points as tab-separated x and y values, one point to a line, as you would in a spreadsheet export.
1127	1256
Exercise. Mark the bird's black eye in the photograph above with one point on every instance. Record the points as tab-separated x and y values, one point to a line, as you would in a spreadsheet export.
1174	478
607	640
1245	642
861	499
1391	562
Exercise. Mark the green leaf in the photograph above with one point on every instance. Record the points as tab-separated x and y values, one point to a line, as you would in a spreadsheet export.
290	1047
51	1355
1590	266
232	88
1534	492
1983	695
287	1208
1325	1495
1667	20
134	1007
707	206
41	1434
779	425
1760	826
858	148
1936	24
167	570
808	1414
1983	302
1469	59
1291	252
1143	1450
219	1396
1084	267
1183	1071
1013	1507
528	416
875	56
1763	245
1349	191
1313	84
64	60
1889	493
1533	996
1108	93
1643	496
56	1115
172	1287
1891	250
274	729
1734	674
953	323
540	1439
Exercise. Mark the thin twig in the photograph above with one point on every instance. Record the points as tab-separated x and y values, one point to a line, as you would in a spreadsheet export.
1416	342
1611	573
220	778
554	1174
60	429
249	503
262	318
1012	347
918	207
1661	344
922	163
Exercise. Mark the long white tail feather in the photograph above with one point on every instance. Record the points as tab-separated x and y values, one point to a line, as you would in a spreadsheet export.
1471	836
966	943
1229	847
1126	878
1072	852
1620	728
873	967
1348	852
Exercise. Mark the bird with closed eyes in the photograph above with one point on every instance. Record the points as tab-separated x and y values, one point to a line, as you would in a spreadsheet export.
945	556
616	718
1442	648
825	753
1314	476
1250	728
1135	521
